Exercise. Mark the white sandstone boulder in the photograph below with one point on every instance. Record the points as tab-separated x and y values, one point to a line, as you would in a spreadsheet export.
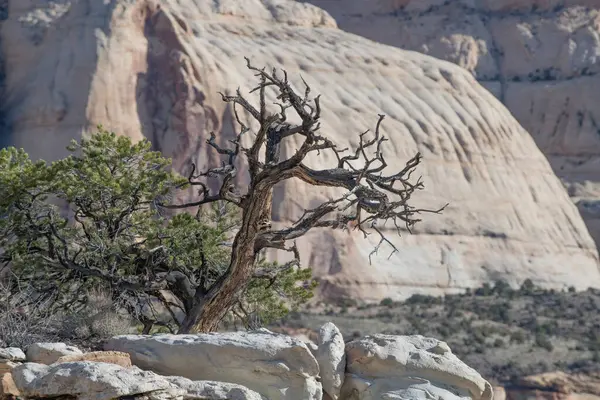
12	354
409	367
331	357
277	366
48	353
88	380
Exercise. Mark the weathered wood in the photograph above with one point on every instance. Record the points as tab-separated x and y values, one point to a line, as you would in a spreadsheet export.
370	193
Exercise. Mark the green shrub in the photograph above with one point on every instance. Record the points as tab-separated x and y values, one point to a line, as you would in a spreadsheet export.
544	342
120	240
386	302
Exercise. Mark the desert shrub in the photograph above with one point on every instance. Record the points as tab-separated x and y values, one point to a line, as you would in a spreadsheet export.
23	321
423	299
385	314
484	290
518	337
541	340
443	332
502	288
499	312
347	302
100	318
386	302
527	288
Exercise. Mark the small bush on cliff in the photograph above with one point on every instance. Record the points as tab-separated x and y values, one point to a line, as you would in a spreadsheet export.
119	240
108	233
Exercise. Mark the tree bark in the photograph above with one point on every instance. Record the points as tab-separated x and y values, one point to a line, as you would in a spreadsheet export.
209	310
272	156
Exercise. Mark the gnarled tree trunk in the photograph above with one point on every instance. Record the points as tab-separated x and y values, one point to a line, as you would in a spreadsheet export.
210	308
379	195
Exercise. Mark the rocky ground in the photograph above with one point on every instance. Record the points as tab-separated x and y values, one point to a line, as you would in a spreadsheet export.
503	333
257	365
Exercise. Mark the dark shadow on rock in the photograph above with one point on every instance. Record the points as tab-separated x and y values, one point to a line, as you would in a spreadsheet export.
173	109
5	131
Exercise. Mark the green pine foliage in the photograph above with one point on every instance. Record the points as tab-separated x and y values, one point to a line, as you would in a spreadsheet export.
93	220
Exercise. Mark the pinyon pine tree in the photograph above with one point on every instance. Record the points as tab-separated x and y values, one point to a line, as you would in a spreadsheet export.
113	236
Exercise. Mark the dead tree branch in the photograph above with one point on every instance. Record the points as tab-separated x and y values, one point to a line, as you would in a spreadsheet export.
372	195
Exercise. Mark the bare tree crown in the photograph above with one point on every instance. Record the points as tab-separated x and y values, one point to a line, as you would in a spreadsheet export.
372	192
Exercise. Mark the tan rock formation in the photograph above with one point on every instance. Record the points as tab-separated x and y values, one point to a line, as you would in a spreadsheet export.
499	393
8	389
539	57
7	366
562	382
110	357
149	71
554	386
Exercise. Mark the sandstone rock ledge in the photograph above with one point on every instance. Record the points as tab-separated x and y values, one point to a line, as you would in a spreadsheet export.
257	365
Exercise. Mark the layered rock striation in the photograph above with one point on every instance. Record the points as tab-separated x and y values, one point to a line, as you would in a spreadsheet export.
539	57
154	69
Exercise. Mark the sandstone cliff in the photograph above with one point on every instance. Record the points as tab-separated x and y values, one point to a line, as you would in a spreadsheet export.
539	57
145	70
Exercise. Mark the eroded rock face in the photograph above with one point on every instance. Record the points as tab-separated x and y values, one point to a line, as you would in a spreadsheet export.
276	366
414	367
155	72
541	58
87	380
